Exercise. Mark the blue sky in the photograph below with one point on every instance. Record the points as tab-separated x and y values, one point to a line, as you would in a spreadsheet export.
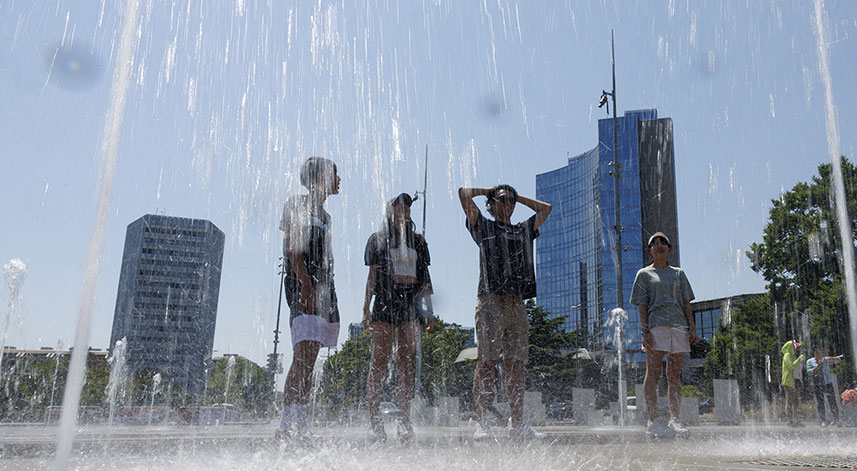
226	101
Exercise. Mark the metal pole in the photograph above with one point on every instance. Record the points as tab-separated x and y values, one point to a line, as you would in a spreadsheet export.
620	296
277	327
418	367
425	186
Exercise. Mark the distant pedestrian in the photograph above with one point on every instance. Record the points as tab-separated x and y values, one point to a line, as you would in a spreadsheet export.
398	260
663	294
818	373
310	292
506	278
790	363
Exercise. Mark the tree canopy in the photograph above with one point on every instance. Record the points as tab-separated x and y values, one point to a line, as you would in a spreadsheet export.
800	257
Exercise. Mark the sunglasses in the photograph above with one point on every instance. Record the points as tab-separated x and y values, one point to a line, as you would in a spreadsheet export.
506	199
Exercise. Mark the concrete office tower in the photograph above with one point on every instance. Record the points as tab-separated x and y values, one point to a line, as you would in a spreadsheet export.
166	307
575	260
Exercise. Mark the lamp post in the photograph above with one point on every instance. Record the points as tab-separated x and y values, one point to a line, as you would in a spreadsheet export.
273	359
617	226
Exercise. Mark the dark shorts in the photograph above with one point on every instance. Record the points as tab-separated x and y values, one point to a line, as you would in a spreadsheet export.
396	308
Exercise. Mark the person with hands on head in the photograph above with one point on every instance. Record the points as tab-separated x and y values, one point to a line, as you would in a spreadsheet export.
398	260
506	278
663	294
309	287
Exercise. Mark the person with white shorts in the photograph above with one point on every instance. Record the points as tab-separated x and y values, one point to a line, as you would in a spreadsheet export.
663	295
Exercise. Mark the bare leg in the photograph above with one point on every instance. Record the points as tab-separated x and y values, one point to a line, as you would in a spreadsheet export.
405	364
515	374
382	345
674	361
654	362
299	378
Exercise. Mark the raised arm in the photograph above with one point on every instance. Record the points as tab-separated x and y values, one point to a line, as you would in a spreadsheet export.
466	194
541	208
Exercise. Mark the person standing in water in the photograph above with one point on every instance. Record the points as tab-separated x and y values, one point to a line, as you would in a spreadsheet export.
663	294
787	381
506	278
818	371
398	261
310	292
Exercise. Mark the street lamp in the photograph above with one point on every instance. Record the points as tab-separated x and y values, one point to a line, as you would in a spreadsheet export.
617	226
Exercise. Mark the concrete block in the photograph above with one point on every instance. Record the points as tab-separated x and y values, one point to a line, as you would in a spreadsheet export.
583	401
727	406
689	412
534	410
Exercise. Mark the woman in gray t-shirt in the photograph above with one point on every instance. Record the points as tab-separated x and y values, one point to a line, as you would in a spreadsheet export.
663	294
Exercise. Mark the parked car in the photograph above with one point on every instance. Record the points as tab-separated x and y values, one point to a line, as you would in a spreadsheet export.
706	405
559	411
631	403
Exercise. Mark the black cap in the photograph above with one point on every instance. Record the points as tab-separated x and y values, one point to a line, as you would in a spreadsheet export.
403	198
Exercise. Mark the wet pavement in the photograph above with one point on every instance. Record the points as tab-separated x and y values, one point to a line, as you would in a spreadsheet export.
252	446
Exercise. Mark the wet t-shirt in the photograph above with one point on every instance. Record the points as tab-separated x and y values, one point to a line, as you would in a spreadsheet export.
306	230
664	292
380	252
505	256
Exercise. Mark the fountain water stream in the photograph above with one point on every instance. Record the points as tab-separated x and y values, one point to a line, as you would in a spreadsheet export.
108	150
15	272
118	375
846	233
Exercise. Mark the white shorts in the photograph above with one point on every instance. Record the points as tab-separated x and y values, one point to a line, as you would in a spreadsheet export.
671	339
316	328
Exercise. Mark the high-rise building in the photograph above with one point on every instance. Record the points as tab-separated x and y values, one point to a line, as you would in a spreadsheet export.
166	307
575	253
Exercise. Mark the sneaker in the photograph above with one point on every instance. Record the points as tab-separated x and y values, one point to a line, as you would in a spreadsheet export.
282	433
300	429
524	433
656	428
377	434
676	427
405	431
482	430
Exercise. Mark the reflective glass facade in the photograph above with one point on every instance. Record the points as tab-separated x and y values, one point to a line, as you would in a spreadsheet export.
576	262
166	306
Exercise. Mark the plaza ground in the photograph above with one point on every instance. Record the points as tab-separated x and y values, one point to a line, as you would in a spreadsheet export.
251	447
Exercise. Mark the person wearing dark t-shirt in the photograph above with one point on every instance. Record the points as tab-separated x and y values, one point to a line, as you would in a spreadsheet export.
398	260
506	278
310	292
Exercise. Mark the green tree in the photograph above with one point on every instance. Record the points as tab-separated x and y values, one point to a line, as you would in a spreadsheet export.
245	385
550	368
343	383
441	376
800	258
746	348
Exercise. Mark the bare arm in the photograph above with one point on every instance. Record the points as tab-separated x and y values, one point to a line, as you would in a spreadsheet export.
370	291
648	342
466	194
691	323
307	300
541	208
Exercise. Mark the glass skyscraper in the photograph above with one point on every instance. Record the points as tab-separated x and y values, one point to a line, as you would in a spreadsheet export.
575	253
166	306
